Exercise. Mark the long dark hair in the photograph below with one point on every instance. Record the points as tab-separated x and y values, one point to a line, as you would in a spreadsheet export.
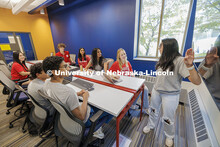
16	59
94	58
80	56
170	52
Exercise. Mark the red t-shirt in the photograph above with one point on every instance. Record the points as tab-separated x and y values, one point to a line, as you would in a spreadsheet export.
84	62
16	68
115	67
66	56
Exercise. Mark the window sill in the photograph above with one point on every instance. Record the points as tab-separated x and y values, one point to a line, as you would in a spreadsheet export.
145	59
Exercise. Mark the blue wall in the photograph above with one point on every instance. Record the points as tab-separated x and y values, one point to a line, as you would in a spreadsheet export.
107	24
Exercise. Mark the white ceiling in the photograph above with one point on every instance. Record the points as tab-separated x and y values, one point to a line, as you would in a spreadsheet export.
11	3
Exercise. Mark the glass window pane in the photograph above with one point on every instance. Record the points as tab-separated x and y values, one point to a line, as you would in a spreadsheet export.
175	19
149	27
207	26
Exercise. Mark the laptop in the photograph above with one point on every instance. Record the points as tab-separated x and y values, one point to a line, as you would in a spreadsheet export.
110	79
82	84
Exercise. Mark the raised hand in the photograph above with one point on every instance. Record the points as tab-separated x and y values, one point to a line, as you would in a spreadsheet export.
189	57
211	57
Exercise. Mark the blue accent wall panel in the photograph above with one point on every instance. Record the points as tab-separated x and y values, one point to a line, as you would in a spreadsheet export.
107	24
28	49
4	38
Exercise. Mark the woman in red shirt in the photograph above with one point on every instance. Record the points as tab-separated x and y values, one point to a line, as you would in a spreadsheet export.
124	66
64	54
19	70
83	59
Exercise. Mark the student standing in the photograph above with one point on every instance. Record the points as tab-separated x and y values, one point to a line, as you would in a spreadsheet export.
167	87
64	54
83	59
123	65
19	70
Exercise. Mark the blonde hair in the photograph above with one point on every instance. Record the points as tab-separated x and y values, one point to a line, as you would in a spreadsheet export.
118	58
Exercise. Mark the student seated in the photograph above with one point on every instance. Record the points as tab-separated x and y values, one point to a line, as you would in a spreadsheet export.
68	96
39	77
64	54
123	65
19	70
167	88
98	62
83	59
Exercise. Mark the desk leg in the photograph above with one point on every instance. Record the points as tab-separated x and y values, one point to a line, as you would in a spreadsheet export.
142	98
117	131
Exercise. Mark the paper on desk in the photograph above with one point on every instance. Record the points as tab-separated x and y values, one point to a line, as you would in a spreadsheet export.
123	141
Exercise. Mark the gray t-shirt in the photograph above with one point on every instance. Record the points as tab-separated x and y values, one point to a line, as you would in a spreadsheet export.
212	78
65	95
98	67
33	88
171	84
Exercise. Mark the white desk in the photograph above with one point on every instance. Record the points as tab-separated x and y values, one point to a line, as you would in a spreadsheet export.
106	98
128	82
112	100
29	63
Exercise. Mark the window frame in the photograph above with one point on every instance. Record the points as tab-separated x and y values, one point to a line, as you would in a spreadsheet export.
137	31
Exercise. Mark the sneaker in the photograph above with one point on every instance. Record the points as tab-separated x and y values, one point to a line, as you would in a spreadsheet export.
99	134
169	142
146	129
134	107
147	111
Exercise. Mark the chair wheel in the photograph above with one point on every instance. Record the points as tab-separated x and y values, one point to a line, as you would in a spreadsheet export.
11	126
8	112
23	130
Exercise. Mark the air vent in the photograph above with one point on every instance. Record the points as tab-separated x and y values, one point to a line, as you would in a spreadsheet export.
200	129
150	79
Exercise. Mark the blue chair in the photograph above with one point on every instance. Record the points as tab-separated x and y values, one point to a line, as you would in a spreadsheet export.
15	98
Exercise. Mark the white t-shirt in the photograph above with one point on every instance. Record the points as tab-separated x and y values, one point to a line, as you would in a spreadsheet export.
65	95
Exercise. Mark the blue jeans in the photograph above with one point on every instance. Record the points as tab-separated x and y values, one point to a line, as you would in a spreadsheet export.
104	114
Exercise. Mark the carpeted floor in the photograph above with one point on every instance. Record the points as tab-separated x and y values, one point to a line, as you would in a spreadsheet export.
130	127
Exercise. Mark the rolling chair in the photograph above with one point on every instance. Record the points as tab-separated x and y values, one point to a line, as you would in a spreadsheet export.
73	129
110	64
40	116
15	98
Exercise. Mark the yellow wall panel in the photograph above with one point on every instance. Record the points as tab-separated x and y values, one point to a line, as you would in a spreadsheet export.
5	47
37	24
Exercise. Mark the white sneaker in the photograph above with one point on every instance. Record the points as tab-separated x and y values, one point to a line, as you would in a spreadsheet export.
169	142
146	129
147	111
99	134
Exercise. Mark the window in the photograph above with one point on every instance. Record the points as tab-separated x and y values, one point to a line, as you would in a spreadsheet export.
161	19
207	26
